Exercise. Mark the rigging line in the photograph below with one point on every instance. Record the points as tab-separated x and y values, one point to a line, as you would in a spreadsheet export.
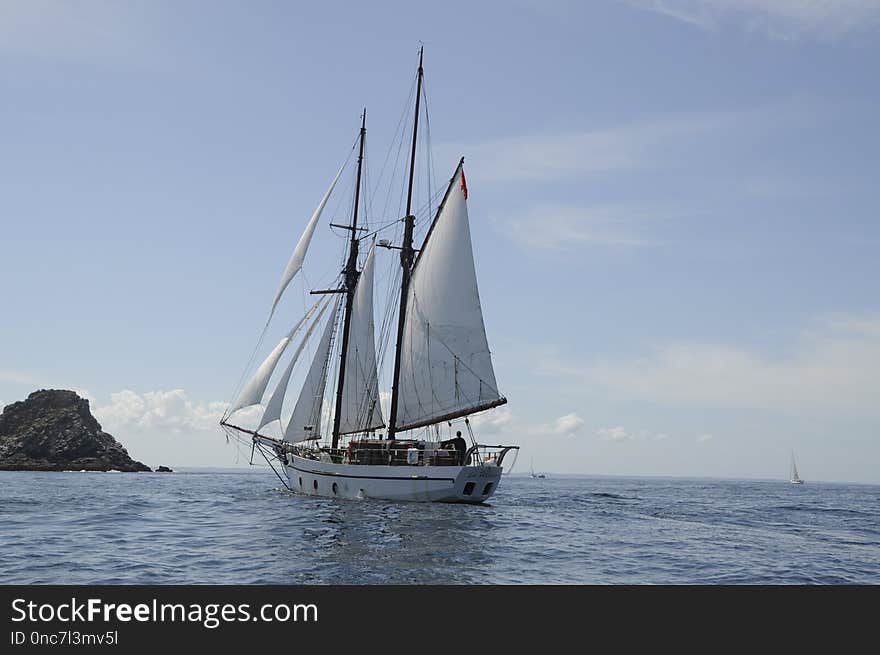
344	196
387	321
366	205
335	360
283	481
307	342
237	389
339	197
425	411
404	188
398	162
404	114
399	138
318	399
451	352
238	385
423	209
365	411
415	387
430	170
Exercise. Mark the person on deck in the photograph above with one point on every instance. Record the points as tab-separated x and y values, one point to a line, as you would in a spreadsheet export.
459	445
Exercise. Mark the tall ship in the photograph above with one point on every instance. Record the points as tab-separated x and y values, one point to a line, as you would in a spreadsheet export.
337	441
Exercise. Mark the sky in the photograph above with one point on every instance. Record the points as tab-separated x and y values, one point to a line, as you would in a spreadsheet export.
673	206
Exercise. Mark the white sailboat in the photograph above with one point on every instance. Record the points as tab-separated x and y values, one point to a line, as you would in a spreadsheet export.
532	470
442	368
795	478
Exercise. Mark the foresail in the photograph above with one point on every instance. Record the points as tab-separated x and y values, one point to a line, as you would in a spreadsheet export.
305	422
360	410
446	368
299	253
253	391
273	407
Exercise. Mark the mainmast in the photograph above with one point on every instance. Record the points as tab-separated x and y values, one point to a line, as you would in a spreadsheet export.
349	283
406	258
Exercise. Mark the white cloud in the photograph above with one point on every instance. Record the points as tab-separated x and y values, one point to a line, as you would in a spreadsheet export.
619	433
826	20
159	410
645	143
830	370
703	438
564	226
565	426
21	377
613	434
575	154
497	421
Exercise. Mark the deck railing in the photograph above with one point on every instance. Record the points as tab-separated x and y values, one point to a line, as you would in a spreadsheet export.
378	453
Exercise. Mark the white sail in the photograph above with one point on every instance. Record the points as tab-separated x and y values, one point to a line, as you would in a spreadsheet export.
360	409
299	253
794	471
445	366
252	393
276	401
305	422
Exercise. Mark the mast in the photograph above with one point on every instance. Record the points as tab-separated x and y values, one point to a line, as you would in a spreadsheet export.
350	281
406	258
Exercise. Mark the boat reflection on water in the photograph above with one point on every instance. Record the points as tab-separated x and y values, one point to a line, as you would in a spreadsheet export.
376	542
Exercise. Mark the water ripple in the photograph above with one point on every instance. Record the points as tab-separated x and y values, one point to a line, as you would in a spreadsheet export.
241	528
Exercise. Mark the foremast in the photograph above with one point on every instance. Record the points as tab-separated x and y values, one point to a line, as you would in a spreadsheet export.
350	277
406	258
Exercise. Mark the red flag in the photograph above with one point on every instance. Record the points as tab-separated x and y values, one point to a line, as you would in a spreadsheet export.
463	185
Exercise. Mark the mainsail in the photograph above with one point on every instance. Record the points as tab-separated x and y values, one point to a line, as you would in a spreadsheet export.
445	365
794	471
253	391
273	407
360	410
305	422
299	253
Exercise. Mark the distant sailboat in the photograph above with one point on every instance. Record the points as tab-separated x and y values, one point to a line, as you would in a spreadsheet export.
795	478
532	470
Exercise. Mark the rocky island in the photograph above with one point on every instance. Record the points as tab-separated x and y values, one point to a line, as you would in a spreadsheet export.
53	430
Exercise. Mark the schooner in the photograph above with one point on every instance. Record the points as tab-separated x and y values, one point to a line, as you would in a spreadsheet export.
337	441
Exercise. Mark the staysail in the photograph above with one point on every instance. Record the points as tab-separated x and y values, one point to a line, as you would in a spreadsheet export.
305	422
299	253
360	409
253	391
276	401
445	365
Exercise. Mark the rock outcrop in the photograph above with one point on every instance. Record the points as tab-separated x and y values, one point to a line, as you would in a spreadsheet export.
53	430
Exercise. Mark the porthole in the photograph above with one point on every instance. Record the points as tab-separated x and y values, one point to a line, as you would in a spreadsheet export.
300	482
315	485
468	488
335	488
487	489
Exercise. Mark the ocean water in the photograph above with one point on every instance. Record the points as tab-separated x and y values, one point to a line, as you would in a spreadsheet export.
244	528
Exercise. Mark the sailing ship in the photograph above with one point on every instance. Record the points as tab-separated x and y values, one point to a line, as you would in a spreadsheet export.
795	478
442	369
532	470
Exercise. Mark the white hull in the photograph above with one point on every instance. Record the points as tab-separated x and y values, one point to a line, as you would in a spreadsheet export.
443	484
